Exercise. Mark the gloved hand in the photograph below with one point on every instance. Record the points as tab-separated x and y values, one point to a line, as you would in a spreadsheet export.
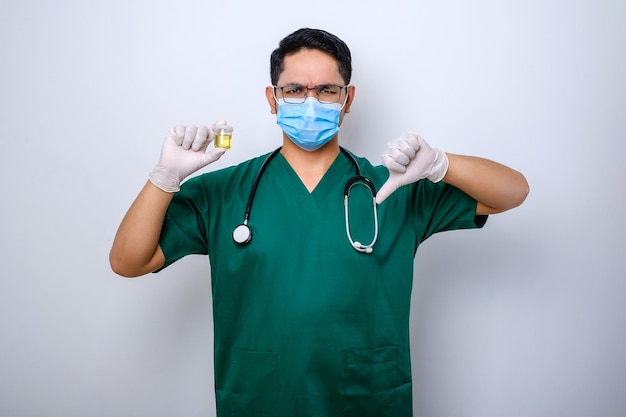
409	159
183	153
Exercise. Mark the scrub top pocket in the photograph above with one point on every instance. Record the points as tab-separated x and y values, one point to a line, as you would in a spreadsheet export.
249	386
375	385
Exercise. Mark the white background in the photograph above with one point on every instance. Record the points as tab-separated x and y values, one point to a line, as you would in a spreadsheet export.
524	318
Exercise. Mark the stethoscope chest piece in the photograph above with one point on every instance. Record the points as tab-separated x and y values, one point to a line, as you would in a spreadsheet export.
242	234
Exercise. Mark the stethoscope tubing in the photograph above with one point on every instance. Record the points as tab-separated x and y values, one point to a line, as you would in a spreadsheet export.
242	234
365	182
255	185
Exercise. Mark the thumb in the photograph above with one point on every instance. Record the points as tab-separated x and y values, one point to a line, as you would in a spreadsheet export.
212	156
386	190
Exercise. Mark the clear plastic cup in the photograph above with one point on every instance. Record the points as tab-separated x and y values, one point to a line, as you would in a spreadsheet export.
223	136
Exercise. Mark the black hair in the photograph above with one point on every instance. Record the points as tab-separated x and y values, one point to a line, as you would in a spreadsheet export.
306	38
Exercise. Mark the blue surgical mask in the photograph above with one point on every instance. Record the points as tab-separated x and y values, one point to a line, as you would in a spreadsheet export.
309	125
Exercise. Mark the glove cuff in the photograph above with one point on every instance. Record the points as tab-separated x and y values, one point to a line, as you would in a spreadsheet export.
439	167
164	179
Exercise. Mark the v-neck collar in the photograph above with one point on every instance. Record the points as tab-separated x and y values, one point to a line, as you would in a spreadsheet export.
324	187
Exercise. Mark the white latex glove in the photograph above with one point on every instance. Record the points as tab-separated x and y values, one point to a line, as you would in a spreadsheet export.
184	152
410	159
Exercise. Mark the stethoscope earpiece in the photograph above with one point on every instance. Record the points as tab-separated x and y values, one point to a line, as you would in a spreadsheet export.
361	248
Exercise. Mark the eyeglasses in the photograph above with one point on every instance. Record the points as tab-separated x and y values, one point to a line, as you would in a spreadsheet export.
297	94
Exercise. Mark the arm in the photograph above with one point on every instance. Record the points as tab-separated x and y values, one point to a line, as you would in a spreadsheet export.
495	187
136	249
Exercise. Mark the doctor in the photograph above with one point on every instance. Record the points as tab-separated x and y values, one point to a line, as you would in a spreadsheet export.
305	325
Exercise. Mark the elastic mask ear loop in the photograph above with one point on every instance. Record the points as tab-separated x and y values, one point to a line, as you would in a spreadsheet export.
275	98
345	100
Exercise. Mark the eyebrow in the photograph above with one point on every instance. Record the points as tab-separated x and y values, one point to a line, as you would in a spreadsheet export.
315	86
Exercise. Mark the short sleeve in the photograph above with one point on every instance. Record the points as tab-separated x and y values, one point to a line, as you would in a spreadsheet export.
184	226
439	207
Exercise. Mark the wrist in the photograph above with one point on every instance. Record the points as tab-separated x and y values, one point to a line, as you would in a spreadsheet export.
164	179
439	166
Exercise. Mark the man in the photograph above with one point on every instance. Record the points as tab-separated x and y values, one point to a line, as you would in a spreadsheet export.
311	300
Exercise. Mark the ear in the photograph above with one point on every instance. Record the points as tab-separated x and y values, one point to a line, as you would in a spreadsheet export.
351	93
269	95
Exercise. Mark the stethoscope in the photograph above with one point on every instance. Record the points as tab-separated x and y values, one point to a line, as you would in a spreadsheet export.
243	234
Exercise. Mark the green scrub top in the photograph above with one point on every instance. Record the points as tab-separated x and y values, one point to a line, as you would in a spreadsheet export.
304	324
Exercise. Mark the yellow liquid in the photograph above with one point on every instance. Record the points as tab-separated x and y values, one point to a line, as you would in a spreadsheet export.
223	140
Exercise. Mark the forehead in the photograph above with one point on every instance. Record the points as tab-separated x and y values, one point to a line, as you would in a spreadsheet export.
310	67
